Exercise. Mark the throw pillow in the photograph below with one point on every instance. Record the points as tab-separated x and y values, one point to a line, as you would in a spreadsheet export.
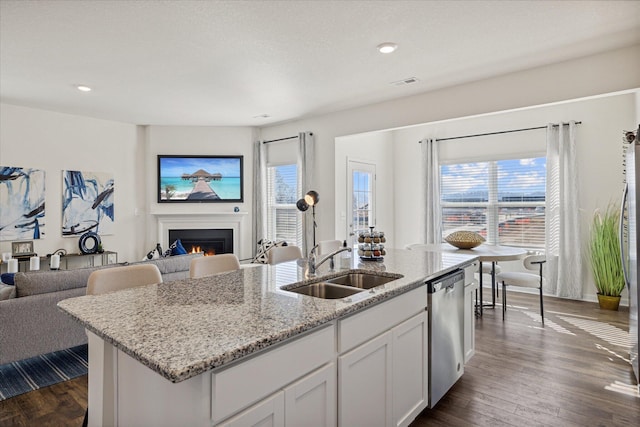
176	248
152	254
7	278
7	292
263	246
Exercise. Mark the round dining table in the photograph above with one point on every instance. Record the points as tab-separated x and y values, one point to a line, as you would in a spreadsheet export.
485	253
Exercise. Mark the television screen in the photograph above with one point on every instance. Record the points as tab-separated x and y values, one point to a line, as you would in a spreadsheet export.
199	179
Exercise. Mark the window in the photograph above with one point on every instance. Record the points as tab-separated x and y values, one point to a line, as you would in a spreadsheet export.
360	184
503	200
283	219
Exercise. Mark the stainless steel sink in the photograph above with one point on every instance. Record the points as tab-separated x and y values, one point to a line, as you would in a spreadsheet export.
325	290
363	280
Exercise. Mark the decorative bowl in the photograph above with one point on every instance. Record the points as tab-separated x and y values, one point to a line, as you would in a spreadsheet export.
464	239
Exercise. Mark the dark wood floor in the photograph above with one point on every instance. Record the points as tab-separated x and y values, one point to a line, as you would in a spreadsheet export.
574	371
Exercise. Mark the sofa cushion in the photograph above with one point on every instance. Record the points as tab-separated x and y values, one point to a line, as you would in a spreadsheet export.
42	282
173	264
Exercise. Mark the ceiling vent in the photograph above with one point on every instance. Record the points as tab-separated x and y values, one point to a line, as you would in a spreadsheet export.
404	82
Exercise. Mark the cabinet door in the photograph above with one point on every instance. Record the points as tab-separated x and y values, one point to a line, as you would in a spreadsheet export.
312	401
267	413
364	384
410	369
469	321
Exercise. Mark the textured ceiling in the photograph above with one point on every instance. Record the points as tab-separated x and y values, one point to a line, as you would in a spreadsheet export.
224	62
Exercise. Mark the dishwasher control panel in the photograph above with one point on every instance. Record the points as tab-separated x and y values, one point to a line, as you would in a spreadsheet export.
445	281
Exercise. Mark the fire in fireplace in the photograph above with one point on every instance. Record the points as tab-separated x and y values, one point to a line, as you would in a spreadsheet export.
210	241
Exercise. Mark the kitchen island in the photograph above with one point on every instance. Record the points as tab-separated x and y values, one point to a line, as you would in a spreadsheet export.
226	348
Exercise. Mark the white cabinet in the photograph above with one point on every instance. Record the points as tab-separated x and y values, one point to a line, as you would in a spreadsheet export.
245	383
383	351
410	374
470	288
364	379
312	400
267	413
309	402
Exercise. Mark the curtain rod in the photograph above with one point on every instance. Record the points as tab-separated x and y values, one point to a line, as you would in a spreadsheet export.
497	133
281	139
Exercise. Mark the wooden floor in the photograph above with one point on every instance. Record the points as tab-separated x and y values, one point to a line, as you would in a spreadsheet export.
574	371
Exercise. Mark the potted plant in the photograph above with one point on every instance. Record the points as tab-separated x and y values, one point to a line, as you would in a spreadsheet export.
604	256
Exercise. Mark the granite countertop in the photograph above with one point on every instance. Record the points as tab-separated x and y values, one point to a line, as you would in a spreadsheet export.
183	328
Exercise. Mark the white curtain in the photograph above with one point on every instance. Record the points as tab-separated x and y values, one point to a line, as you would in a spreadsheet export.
432	218
305	183
563	270
259	193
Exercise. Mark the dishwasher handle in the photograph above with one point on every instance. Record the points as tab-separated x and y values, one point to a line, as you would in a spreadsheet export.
446	282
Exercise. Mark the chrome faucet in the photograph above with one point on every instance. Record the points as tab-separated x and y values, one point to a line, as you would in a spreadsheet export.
313	265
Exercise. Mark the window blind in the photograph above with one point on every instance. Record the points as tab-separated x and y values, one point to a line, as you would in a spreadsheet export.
503	200
283	218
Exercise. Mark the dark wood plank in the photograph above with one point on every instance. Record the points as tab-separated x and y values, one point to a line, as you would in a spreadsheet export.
559	374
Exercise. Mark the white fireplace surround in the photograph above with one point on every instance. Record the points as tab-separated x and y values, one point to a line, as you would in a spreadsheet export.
185	221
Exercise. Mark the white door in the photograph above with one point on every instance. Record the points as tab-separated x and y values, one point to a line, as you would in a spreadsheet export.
312	400
410	366
267	413
364	384
361	180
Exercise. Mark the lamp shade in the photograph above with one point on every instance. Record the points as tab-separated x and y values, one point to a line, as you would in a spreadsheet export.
312	197
302	205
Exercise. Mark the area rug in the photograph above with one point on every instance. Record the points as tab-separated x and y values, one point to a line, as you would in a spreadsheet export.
42	371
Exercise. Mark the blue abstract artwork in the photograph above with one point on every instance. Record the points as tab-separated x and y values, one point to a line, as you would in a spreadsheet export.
22	198
87	203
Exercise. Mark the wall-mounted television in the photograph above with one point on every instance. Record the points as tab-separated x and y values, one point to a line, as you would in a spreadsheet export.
200	179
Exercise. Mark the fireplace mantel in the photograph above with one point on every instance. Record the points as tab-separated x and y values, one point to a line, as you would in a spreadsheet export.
189	220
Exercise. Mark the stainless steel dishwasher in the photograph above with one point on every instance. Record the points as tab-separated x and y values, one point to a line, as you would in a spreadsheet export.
446	333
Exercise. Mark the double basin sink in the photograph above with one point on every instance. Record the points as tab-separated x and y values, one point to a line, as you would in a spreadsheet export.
343	286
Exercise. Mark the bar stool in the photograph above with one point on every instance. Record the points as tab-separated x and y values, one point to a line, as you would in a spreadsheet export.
209	265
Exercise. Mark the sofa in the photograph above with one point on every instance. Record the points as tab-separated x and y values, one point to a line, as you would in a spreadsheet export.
30	321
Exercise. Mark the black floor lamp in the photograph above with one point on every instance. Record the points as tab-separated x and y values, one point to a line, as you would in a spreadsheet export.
310	199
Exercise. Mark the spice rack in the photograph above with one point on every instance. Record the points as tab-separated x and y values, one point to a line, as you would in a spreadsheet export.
371	245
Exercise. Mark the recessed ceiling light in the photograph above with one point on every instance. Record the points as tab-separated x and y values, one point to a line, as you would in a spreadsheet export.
387	47
262	116
83	88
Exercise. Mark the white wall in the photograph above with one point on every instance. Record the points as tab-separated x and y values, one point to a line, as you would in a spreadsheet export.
598	74
55	142
194	140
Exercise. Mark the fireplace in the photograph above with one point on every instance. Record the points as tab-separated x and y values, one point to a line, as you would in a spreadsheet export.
211	241
236	222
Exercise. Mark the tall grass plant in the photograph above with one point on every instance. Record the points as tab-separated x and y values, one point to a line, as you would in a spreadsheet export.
604	252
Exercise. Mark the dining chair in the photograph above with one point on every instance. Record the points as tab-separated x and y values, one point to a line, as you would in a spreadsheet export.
280	254
117	278
209	265
532	262
328	246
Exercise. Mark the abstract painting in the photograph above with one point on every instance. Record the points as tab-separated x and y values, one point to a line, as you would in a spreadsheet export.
87	203
21	203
